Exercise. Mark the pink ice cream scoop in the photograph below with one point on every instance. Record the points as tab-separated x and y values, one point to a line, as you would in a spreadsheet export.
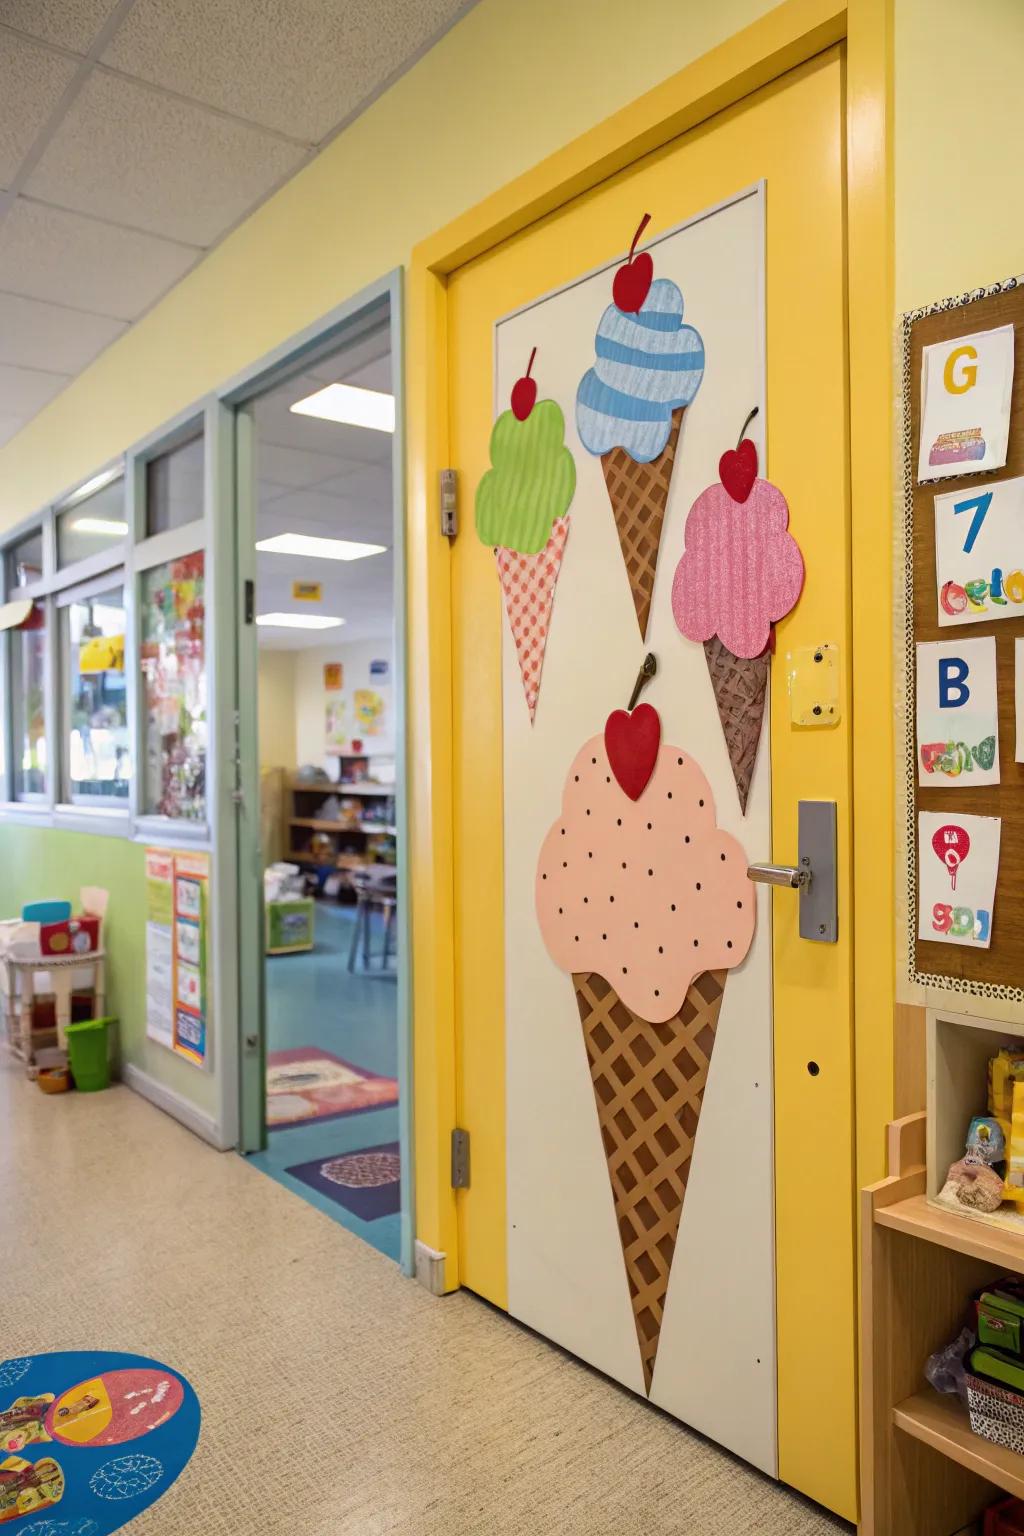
648	893
741	571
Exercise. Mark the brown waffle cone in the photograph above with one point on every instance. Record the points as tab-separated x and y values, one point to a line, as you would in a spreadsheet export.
740	685
649	1082
639	494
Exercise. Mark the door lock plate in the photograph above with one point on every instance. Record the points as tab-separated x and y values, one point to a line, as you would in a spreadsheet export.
816	851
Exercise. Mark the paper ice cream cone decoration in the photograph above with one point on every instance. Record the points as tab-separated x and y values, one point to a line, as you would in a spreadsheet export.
522	507
629	409
646	904
740	573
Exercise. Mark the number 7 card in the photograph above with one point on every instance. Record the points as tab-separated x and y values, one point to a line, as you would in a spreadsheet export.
979	553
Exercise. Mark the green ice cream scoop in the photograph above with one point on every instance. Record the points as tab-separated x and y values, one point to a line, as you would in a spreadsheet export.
531	483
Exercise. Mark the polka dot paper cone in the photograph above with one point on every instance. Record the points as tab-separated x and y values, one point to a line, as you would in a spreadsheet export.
649	1082
528	583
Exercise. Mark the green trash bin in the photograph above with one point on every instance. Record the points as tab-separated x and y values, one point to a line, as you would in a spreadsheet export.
88	1054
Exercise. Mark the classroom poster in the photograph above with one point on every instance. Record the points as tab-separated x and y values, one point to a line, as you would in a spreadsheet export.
159	946
957	714
966	384
176	975
979	553
957	865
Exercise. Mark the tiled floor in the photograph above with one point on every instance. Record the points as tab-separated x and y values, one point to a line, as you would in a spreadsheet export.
312	999
338	1398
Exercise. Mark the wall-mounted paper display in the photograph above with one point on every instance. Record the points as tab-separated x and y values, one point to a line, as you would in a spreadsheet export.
630	404
522	512
957	865
646	903
957	713
966	384
979	553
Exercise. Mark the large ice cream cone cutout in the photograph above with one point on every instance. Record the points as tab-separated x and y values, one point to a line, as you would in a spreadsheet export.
740	573
522	504
629	409
646	904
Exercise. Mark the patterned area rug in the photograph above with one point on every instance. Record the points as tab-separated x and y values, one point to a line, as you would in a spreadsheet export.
367	1182
306	1084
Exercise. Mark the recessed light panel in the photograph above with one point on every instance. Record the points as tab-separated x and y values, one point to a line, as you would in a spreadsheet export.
297	621
317	549
350	406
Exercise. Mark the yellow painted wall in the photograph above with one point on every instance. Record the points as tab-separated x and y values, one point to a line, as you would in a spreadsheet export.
276	694
959	120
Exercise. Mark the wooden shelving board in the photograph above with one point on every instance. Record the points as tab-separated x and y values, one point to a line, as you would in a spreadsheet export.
327	787
961	1233
942	1423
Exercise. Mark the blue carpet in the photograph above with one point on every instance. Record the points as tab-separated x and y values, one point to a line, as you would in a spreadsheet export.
313	1000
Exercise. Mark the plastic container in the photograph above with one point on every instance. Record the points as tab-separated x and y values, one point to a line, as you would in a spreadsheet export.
46	912
88	1054
54	1079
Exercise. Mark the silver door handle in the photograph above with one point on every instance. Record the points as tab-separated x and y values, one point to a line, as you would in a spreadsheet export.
788	875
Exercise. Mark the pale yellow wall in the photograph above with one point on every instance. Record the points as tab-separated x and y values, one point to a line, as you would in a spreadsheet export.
277	709
511	83
959	123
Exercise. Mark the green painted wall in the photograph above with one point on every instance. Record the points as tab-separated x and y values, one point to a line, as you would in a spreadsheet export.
41	862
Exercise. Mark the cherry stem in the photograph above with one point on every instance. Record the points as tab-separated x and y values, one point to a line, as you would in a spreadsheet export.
640	229
643	677
746	424
529	366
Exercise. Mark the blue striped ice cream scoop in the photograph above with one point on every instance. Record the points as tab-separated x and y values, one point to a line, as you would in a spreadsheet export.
648	365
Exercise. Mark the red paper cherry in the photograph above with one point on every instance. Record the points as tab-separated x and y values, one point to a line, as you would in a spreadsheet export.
631	283
524	392
632	742
737	470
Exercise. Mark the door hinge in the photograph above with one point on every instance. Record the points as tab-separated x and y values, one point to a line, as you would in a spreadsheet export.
460	1159
449	503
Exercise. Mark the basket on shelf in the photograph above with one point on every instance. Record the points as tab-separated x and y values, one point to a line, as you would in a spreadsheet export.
997	1413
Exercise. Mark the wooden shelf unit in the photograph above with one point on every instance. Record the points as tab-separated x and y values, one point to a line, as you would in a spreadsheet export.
351	841
923	1470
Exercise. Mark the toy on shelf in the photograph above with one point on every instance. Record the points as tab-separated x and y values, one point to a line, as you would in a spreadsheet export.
991	1172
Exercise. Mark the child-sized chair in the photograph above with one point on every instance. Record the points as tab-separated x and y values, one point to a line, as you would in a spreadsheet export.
374	893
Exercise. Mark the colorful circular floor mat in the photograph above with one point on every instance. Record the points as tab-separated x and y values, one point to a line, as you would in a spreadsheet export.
88	1439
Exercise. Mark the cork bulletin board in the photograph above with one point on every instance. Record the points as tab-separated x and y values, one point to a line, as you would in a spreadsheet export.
998	971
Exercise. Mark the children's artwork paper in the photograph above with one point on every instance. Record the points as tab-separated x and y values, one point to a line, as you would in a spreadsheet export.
1018	698
957	714
966	385
979	553
957	866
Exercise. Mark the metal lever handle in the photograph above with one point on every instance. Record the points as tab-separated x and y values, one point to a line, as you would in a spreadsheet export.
788	875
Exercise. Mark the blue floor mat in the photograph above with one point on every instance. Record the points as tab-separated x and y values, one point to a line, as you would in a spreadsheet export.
312	999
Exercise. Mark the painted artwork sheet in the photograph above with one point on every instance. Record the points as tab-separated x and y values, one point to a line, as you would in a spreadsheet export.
957	866
966	385
957	714
566	1271
979	553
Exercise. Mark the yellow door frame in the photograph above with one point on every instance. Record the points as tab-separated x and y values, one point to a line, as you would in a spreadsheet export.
780	41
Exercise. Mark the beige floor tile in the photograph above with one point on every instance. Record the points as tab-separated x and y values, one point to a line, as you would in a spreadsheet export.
338	1398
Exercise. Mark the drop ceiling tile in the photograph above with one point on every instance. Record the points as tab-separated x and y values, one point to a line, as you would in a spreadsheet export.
37	335
299	66
69	23
24	391
46	253
32	81
295	467
138	157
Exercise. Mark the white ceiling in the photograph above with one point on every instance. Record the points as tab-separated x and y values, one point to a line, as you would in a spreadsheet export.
332	481
134	134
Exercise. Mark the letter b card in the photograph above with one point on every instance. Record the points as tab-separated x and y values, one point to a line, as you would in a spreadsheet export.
957	713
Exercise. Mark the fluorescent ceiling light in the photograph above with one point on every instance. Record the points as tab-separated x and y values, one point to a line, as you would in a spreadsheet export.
297	621
105	525
354	407
317	549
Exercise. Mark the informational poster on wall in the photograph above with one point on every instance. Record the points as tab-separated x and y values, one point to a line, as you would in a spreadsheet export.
176	973
979	553
966	384
160	946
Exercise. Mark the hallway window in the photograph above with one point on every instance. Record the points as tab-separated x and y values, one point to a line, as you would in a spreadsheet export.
93	525
97	740
28	705
173	659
